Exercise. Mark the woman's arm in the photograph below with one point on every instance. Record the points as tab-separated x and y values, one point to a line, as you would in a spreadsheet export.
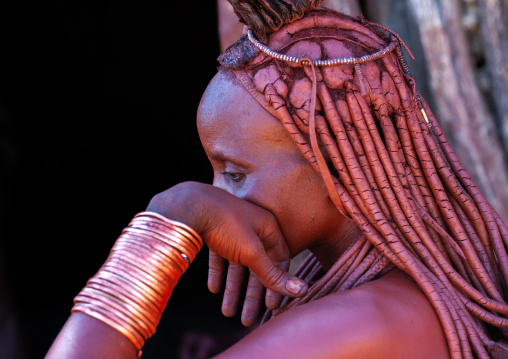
84	337
386	318
234	229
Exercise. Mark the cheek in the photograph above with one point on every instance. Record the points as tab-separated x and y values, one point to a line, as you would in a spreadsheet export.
296	193
266	186
264	189
308	211
311	197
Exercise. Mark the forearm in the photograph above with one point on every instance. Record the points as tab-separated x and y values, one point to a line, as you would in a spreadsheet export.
120	307
126	298
84	337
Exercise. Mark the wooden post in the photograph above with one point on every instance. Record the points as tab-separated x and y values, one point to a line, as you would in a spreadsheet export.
350	7
230	29
494	26
459	106
445	76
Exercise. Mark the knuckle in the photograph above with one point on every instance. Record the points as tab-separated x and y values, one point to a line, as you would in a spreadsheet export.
214	274
235	277
254	292
253	279
252	299
213	256
273	276
251	256
235	266
231	289
230	299
283	264
215	267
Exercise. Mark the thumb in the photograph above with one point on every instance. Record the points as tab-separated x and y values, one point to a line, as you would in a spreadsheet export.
278	280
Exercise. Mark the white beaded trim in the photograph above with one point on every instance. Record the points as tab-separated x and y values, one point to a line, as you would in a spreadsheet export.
329	62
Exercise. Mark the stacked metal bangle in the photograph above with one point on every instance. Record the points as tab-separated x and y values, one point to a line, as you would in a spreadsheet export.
132	288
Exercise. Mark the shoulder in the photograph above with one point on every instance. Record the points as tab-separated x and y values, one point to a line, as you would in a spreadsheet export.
387	318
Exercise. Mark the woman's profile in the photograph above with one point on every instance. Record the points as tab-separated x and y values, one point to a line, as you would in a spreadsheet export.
319	141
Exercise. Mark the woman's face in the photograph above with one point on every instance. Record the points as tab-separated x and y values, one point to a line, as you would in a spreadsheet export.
254	159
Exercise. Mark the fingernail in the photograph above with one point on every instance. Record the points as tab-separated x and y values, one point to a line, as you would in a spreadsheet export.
295	286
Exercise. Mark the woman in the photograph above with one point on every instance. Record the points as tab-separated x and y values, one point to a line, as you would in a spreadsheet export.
319	140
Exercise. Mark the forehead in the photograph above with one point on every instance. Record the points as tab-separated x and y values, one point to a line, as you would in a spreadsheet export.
228	113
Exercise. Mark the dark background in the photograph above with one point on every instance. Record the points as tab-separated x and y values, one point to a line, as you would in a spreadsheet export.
97	114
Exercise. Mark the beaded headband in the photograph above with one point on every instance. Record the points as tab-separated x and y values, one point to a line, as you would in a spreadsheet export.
329	62
395	44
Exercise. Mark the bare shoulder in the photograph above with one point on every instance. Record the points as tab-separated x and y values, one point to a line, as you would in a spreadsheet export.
387	318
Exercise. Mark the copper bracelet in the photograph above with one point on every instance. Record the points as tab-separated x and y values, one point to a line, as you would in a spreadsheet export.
131	289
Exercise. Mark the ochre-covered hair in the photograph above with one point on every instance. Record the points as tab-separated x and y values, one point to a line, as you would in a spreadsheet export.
388	167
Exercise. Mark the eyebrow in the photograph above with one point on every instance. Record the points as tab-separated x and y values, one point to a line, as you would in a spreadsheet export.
222	157
218	157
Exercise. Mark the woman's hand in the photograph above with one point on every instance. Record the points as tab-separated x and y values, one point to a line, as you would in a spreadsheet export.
238	231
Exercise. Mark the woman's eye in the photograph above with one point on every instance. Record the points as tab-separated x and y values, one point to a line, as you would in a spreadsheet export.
236	177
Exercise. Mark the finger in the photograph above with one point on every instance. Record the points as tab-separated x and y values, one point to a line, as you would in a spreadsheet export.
275	245
276	279
272	267
272	299
234	286
253	300
216	272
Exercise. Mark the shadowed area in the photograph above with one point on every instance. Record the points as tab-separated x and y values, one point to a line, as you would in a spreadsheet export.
97	115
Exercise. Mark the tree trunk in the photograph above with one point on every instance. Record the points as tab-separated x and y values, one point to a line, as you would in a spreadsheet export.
494	26
350	7
459	106
396	15
230	29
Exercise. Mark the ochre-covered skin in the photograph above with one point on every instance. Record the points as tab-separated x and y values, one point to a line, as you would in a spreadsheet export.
255	159
404	187
408	259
